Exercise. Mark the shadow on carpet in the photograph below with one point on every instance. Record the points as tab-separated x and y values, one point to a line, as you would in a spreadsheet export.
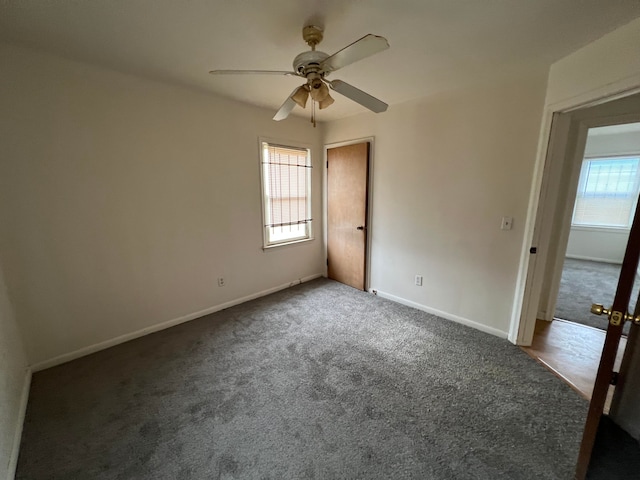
616	454
319	381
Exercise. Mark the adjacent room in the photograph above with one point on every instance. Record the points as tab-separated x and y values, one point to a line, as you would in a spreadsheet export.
225	253
607	195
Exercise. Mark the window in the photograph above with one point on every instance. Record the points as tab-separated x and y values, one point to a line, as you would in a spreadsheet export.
607	192
286	193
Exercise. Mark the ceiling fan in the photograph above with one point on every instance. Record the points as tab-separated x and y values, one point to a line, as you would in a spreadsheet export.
315	66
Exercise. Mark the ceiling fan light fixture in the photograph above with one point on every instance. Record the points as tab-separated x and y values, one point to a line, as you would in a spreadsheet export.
319	92
301	96
327	102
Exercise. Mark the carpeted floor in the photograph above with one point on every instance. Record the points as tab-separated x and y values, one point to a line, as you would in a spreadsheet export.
319	381
585	282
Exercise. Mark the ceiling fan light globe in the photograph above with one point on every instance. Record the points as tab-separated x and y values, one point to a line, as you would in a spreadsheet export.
300	96
319	93
327	102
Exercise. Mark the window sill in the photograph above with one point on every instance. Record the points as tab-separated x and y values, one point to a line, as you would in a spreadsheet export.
283	244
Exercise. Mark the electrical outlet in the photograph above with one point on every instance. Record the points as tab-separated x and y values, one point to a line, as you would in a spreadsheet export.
418	280
220	282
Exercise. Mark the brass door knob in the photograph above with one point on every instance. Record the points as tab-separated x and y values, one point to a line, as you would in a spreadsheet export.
598	309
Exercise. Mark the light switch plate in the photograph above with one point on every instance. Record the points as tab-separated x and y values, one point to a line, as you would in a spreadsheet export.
507	223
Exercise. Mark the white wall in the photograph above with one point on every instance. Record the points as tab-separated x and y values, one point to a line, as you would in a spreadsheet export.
606	245
13	384
122	200
608	66
626	143
446	169
597	244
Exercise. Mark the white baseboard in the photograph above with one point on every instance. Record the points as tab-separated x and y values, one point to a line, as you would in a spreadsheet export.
15	450
67	357
594	259
440	313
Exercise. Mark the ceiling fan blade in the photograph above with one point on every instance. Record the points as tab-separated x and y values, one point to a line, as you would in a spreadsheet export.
251	72
363	48
358	96
286	107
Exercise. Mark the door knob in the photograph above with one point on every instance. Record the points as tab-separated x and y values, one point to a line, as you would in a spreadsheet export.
361	227
615	318
598	309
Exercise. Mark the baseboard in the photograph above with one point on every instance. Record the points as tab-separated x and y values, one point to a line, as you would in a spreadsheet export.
15	450
594	259
445	315
67	357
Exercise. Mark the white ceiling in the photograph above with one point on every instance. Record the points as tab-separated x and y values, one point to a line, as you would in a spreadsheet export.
435	44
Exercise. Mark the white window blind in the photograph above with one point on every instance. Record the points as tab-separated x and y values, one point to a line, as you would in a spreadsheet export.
286	188
607	192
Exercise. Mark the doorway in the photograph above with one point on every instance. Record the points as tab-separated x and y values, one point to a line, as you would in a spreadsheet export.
607	193
348	190
562	182
558	193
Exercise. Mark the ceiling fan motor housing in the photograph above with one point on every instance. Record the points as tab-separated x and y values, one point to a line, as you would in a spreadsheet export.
309	62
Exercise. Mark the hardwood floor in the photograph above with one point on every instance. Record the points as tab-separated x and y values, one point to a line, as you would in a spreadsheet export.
572	351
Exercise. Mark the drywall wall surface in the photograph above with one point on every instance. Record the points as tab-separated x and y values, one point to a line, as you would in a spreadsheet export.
446	169
597	244
604	67
627	143
123	200
13	370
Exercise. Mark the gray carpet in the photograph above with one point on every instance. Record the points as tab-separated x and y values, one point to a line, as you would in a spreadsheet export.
319	381
585	282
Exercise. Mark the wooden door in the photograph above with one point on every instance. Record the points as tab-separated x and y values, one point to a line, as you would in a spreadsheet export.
610	349
347	193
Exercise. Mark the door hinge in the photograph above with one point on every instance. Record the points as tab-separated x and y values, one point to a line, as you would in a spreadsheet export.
533	250
327	261
327	164
615	376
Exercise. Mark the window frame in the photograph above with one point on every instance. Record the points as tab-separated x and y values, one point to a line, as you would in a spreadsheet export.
581	185
267	243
